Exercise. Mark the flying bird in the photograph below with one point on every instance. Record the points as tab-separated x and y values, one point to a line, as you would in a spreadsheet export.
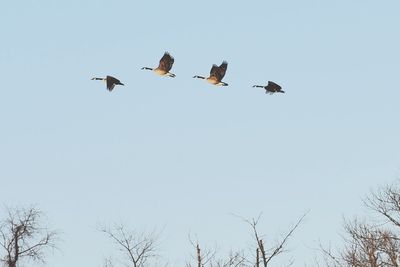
217	73
110	81
164	66
271	88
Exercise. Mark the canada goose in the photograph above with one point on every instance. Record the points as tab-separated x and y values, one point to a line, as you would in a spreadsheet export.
110	81
164	66
216	74
271	88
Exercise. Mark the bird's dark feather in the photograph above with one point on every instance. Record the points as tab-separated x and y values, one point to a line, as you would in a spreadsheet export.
218	72
222	69
273	87
166	62
111	82
214	72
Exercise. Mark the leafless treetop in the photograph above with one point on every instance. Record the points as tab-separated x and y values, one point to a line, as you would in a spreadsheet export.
23	236
138	247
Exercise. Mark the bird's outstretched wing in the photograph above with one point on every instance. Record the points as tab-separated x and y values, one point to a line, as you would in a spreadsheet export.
273	86
111	82
222	69
166	62
218	72
214	72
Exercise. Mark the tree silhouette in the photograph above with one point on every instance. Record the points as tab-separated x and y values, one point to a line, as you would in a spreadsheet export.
23	237
374	241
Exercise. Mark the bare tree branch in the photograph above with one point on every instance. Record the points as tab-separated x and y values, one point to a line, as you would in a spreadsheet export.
139	248
276	250
203	256
279	248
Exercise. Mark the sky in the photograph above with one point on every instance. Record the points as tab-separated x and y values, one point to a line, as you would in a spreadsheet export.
180	155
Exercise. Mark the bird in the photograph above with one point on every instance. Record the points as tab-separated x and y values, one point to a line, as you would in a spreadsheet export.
164	66
271	88
217	73
110	81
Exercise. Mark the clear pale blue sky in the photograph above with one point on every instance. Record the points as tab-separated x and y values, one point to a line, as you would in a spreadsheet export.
179	154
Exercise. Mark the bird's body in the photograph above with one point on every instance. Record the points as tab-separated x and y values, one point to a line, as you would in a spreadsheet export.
164	66
271	88
110	82
217	73
213	81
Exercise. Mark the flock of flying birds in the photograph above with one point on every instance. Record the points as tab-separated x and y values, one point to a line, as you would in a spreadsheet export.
217	73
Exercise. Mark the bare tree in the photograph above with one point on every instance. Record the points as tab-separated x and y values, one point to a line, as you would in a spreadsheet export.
369	245
373	242
209	257
238	258
234	259
202	256
268	254
22	236
386	202
139	248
